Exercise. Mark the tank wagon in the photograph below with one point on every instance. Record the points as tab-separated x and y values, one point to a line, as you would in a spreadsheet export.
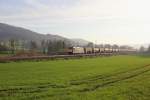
96	50
108	50
88	50
102	50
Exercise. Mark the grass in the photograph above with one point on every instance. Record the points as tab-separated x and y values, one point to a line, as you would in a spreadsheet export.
106	78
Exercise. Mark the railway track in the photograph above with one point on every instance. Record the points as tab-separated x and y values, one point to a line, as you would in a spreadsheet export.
52	57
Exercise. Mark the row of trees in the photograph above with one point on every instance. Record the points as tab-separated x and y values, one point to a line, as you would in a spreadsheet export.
44	46
53	46
115	46
48	46
144	49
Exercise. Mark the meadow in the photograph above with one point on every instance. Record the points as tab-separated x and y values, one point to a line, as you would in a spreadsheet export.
100	78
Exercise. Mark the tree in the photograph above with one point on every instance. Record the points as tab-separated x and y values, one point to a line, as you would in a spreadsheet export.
12	45
50	46
148	49
55	47
115	46
33	45
44	46
90	44
107	46
63	45
126	47
3	48
142	49
101	46
23	44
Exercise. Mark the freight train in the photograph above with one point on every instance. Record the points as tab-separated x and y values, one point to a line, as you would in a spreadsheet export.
90	50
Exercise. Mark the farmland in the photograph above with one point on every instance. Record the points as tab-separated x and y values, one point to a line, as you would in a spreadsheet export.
99	78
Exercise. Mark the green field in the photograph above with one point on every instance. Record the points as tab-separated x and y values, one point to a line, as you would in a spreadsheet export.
101	78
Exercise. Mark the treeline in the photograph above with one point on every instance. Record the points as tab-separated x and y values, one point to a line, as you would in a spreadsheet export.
109	46
43	46
144	49
48	47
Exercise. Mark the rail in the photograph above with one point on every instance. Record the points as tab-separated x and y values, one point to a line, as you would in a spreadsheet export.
52	57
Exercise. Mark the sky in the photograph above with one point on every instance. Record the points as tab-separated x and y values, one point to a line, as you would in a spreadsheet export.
100	21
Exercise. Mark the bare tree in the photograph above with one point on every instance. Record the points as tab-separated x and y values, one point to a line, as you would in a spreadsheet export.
33	45
12	45
44	45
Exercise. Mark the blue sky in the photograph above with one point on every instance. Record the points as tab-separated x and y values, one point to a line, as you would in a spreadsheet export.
104	21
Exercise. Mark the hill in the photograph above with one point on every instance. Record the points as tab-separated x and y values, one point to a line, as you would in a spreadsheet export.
8	32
